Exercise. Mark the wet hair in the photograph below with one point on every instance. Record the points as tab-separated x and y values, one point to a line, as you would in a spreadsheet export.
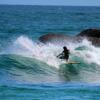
64	47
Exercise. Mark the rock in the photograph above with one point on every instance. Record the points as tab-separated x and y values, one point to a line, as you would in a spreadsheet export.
94	40
52	37
90	33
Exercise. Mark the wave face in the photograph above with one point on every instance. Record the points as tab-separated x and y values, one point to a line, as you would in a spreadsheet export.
18	69
28	61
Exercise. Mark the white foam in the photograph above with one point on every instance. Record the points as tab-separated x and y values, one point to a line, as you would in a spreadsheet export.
91	54
48	52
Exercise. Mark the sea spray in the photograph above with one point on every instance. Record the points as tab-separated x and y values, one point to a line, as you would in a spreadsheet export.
46	53
84	52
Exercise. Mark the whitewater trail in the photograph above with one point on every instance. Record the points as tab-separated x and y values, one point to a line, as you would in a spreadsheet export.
84	52
48	52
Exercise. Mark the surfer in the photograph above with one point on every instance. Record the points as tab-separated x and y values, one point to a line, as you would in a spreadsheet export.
64	54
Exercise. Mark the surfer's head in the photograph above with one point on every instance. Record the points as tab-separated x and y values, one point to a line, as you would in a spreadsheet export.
65	48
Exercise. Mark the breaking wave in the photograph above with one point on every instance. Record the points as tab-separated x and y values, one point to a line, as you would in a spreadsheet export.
28	61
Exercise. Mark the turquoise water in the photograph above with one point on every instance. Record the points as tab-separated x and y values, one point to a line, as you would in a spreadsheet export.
29	69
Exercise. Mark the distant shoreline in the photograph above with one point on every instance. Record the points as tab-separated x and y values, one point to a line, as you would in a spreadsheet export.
48	5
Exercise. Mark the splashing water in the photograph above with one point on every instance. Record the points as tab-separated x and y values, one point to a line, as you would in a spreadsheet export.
83	52
48	52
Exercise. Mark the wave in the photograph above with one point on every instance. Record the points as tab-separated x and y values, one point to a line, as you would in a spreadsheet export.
15	68
28	61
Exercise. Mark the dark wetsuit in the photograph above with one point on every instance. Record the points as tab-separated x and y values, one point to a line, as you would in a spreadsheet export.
64	54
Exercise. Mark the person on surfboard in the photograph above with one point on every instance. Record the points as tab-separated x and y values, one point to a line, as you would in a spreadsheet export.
64	54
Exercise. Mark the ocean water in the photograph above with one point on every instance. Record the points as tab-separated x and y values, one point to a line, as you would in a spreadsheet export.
29	69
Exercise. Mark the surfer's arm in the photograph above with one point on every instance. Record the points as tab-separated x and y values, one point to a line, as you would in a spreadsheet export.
61	54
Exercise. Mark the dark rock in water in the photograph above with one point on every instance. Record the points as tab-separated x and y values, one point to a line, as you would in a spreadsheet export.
94	40
52	37
90	33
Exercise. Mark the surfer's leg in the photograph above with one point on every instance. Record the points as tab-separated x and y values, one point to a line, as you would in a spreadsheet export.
67	57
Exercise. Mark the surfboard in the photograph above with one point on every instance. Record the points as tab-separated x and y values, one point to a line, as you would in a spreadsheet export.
72	62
